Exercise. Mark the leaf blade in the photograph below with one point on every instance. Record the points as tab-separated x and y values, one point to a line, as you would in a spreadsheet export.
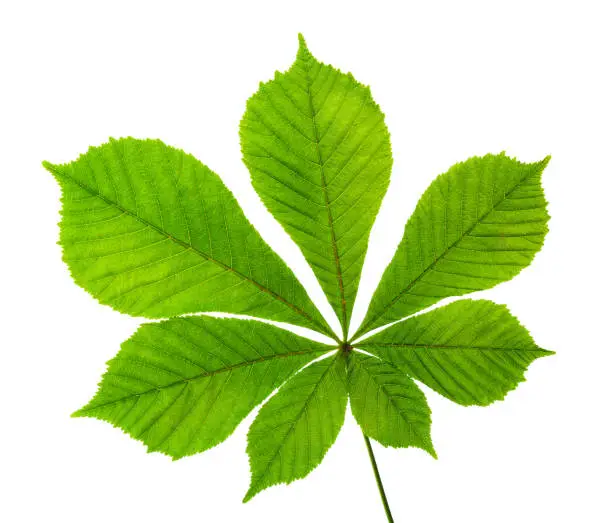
405	418
181	386
307	413
472	351
150	231
319	154
477	225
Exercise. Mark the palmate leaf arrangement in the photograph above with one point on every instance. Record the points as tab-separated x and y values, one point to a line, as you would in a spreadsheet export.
152	232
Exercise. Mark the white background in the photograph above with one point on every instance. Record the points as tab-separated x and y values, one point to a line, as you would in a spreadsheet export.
455	79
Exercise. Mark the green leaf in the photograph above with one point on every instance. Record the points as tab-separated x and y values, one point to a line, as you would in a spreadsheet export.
472	352
319	154
475	226
149	230
294	430
387	404
182	386
152	232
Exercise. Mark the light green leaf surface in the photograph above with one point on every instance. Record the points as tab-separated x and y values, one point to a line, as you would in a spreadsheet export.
319	154
149	230
182	386
294	430
477	225
472	352
152	232
387	404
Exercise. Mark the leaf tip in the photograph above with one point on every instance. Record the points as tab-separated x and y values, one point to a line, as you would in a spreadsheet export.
49	166
545	161
54	169
427	445
249	495
303	51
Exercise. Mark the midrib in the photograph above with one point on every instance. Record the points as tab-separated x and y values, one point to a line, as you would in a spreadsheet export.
297	418
203	375
330	219
446	347
365	326
189	246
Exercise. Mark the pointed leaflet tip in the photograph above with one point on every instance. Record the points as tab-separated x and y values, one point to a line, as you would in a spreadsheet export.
79	414
252	492
248	496
303	51
52	168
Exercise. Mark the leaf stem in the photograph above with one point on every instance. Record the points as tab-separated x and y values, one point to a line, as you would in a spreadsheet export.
381	489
